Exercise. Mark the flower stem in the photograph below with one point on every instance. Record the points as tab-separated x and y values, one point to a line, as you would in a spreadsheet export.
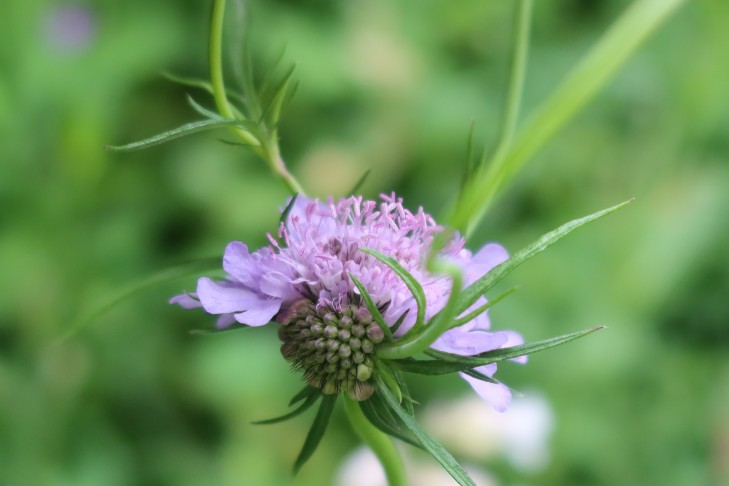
515	88
216	70
380	444
596	68
268	150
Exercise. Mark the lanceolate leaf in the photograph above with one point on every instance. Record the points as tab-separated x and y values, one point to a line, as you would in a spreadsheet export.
472	315
316	432
512	351
430	444
411	282
482	285
183	270
184	130
308	402
287	211
381	417
202	110
305	392
359	183
430	367
191	82
372	307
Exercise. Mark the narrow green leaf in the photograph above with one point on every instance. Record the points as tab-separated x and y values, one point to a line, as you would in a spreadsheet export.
360	182
472	315
285	214
305	392
372	307
482	285
399	321
431	445
178	271
202	110
215	332
480	376
411	282
513	351
429	367
191	82
388	376
308	402
179	132
316	432
470	159
413	342
407	400
272	111
380	416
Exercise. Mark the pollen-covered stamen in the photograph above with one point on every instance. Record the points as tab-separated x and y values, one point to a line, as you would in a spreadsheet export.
333	349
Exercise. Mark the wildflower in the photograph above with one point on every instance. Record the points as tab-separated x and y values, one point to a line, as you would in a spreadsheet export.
303	282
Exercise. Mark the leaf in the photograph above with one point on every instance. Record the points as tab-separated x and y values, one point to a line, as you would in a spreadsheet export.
429	367
316	432
471	293
472	315
287	210
308	402
215	332
305	392
380	416
431	445
376	315
272	111
470	159
360	182
202	110
178	271
480	376
399	321
413	343
191	82
513	351
179	132
411	282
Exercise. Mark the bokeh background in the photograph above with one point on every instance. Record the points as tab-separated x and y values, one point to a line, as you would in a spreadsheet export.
391	86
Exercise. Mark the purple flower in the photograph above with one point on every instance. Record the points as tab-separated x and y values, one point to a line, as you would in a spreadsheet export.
301	281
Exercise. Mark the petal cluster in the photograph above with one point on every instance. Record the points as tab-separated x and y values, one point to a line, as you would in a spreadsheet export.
317	248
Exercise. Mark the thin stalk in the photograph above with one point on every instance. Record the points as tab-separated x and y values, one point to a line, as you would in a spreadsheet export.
216	70
621	40
520	49
380	443
268	150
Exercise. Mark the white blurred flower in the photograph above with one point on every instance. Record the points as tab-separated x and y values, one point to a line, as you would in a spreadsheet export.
361	468
473	429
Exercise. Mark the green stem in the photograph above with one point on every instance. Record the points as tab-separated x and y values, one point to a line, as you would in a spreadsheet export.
217	80
266	149
380	444
519	52
592	73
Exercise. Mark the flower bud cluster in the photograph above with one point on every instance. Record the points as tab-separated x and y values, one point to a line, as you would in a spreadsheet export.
333	349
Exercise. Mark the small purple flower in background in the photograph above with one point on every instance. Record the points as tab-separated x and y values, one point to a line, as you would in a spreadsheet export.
70	28
302	282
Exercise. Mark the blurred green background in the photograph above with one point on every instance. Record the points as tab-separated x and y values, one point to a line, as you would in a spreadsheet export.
392	87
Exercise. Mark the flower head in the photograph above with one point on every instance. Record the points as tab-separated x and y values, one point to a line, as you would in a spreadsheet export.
302	282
